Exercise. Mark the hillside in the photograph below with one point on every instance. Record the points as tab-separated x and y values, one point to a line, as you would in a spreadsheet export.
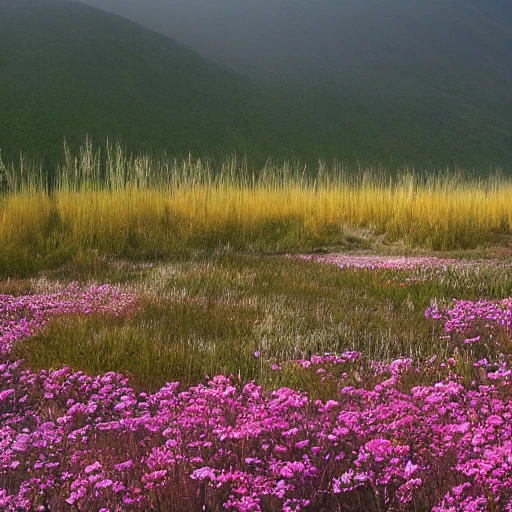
313	41
401	83
425	81
67	70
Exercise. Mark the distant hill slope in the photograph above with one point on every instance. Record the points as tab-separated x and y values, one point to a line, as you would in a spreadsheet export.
67	70
316	40
404	82
417	80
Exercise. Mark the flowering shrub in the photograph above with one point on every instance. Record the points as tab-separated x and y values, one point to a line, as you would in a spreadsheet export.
70	441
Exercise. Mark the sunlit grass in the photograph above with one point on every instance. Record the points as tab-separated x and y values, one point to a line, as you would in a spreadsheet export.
139	208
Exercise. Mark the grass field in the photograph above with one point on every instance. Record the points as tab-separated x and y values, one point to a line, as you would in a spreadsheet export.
311	382
122	206
209	315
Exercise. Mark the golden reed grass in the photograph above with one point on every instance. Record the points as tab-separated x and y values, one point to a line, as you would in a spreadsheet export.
134	206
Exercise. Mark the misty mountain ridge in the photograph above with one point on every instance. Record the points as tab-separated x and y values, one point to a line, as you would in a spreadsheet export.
315	41
402	82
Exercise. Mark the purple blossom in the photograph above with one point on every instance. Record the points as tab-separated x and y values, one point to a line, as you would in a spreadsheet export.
94	443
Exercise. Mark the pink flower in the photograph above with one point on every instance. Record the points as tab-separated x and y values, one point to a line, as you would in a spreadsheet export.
96	466
203	474
410	468
6	393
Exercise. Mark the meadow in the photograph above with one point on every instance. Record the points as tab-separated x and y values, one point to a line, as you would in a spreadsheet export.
176	336
119	205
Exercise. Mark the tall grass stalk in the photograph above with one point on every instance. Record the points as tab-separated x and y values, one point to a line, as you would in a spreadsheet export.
136	206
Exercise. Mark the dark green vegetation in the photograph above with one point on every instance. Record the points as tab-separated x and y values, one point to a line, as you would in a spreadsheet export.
210	314
425	84
418	81
67	70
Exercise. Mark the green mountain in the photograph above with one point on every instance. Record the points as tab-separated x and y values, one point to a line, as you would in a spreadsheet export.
420	81
404	82
67	70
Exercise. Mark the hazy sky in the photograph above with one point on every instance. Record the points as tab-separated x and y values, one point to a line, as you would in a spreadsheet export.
312	38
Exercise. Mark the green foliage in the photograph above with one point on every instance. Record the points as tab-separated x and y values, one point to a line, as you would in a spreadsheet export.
208	315
68	70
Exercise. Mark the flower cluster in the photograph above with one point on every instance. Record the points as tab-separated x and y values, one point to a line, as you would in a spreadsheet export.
467	316
21	317
70	441
483	326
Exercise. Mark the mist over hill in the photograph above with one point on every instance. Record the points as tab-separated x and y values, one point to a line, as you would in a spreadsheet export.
420	80
402	82
314	41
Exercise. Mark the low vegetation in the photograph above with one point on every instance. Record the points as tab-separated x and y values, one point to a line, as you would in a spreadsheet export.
122	206
210	315
407	405
213	369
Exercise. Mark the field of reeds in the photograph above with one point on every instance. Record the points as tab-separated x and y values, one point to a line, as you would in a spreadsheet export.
123	206
180	337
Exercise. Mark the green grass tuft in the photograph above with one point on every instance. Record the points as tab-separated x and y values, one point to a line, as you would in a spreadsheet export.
209	315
